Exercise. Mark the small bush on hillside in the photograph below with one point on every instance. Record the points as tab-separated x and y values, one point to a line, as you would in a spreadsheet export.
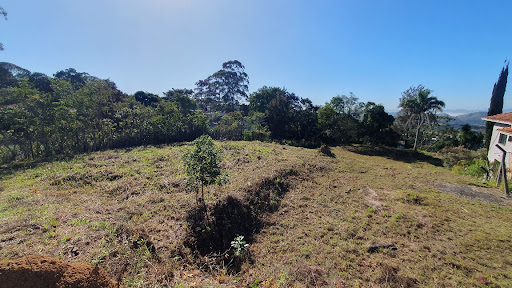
202	164
472	167
463	161
451	156
239	245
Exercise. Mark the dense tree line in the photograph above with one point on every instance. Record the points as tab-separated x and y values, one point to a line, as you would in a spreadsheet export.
44	117
70	113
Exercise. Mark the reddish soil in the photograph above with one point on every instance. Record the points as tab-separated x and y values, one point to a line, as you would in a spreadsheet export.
41	271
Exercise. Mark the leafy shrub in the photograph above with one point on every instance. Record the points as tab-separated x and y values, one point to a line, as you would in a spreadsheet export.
261	134
202	164
472	167
452	156
239	245
230	127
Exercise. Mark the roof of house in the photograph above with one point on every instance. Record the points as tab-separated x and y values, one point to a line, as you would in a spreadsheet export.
506	130
505	118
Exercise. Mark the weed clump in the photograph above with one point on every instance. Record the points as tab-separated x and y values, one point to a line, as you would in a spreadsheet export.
311	276
390	278
413	198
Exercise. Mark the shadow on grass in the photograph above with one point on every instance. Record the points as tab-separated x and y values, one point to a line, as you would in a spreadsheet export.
212	229
403	155
9	169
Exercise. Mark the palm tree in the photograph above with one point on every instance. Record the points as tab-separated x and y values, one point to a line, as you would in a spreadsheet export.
420	108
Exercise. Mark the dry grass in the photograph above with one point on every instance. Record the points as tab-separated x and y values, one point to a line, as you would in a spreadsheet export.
127	211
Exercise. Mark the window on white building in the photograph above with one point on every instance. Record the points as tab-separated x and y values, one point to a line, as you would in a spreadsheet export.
503	139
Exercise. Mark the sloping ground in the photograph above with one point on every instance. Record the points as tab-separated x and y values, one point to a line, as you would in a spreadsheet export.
325	229
370	218
474	193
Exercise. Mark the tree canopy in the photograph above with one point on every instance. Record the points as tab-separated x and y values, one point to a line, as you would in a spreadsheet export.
43	117
224	89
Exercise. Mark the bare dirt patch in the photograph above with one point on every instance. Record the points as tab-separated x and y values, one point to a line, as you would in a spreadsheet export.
41	271
474	193
371	197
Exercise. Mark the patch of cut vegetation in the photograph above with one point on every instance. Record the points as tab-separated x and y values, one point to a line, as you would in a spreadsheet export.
308	220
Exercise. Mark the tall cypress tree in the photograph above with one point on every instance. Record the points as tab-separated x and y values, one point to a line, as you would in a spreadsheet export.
2	12
496	107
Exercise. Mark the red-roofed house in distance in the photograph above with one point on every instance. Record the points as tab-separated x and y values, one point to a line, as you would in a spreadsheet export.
502	136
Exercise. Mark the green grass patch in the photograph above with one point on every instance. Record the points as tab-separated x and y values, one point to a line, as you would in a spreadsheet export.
110	207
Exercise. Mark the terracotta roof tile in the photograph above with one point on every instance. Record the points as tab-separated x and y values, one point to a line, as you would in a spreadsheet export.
500	118
506	130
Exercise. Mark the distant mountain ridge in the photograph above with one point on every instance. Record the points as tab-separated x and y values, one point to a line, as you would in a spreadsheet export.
473	119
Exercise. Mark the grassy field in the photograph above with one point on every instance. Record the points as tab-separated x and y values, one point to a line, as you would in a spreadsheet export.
367	217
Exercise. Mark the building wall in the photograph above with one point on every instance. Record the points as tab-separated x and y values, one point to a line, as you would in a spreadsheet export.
495	154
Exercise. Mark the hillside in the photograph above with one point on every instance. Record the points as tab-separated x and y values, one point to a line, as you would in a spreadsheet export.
368	217
474	119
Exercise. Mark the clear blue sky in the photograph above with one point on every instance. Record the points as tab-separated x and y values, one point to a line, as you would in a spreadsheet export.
316	49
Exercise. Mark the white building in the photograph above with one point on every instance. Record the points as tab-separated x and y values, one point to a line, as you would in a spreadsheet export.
501	136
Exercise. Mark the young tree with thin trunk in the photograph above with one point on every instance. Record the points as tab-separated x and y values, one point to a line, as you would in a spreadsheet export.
202	164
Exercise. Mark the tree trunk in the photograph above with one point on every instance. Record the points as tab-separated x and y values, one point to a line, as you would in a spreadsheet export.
31	148
417	134
202	196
